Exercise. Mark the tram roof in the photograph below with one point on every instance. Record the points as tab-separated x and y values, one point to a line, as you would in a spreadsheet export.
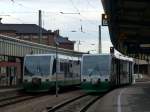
121	57
54	55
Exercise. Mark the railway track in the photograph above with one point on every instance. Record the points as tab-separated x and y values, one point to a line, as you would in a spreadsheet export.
16	99
77	104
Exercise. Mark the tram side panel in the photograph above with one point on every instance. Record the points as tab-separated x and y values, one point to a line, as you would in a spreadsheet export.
114	72
68	72
121	72
76	72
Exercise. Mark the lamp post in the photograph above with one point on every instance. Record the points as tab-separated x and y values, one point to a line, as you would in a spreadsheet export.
99	41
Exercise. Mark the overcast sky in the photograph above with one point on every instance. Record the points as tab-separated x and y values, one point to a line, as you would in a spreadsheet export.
26	11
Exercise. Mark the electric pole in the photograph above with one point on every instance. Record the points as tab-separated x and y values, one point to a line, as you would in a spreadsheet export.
99	41
40	26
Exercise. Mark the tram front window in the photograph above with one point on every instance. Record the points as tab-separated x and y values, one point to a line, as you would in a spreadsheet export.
37	65
95	65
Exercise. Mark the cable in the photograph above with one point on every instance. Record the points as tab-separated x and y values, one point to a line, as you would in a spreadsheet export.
14	1
21	12
90	4
74	6
80	12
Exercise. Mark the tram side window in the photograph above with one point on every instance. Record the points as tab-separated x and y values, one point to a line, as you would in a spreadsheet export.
121	67
54	67
114	66
124	68
70	64
62	66
78	62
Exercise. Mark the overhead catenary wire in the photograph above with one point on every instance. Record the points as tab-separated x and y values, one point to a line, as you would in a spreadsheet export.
20	4
71	1
12	1
75	7
81	14
90	4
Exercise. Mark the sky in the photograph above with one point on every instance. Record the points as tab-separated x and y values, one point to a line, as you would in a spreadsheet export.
81	25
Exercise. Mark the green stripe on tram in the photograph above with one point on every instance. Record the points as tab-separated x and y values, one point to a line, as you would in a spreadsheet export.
45	86
101	87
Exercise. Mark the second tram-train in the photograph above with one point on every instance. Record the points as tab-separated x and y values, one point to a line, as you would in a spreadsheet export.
100	73
40	72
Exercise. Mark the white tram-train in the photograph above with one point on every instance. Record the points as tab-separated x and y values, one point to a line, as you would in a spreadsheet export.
101	72
40	72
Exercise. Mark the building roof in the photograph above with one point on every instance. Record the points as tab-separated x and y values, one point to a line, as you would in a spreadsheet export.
63	40
31	29
22	28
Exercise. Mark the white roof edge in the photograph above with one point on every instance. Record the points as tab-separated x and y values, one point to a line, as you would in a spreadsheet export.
116	56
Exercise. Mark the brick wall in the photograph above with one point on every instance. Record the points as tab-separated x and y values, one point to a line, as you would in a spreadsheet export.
67	46
46	39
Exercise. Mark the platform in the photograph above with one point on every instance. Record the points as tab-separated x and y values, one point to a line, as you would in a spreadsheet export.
3	90
134	98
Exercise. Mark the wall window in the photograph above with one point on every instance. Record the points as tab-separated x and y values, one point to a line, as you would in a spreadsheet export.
11	59
6	58
3	70
2	58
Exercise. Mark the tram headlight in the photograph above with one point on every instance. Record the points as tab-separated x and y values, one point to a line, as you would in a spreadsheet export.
36	81
84	80
25	80
98	80
47	80
106	80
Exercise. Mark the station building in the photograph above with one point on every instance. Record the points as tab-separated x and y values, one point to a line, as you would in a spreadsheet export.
30	32
11	66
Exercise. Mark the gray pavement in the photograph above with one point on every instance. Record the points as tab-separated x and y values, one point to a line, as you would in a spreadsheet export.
134	98
9	89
